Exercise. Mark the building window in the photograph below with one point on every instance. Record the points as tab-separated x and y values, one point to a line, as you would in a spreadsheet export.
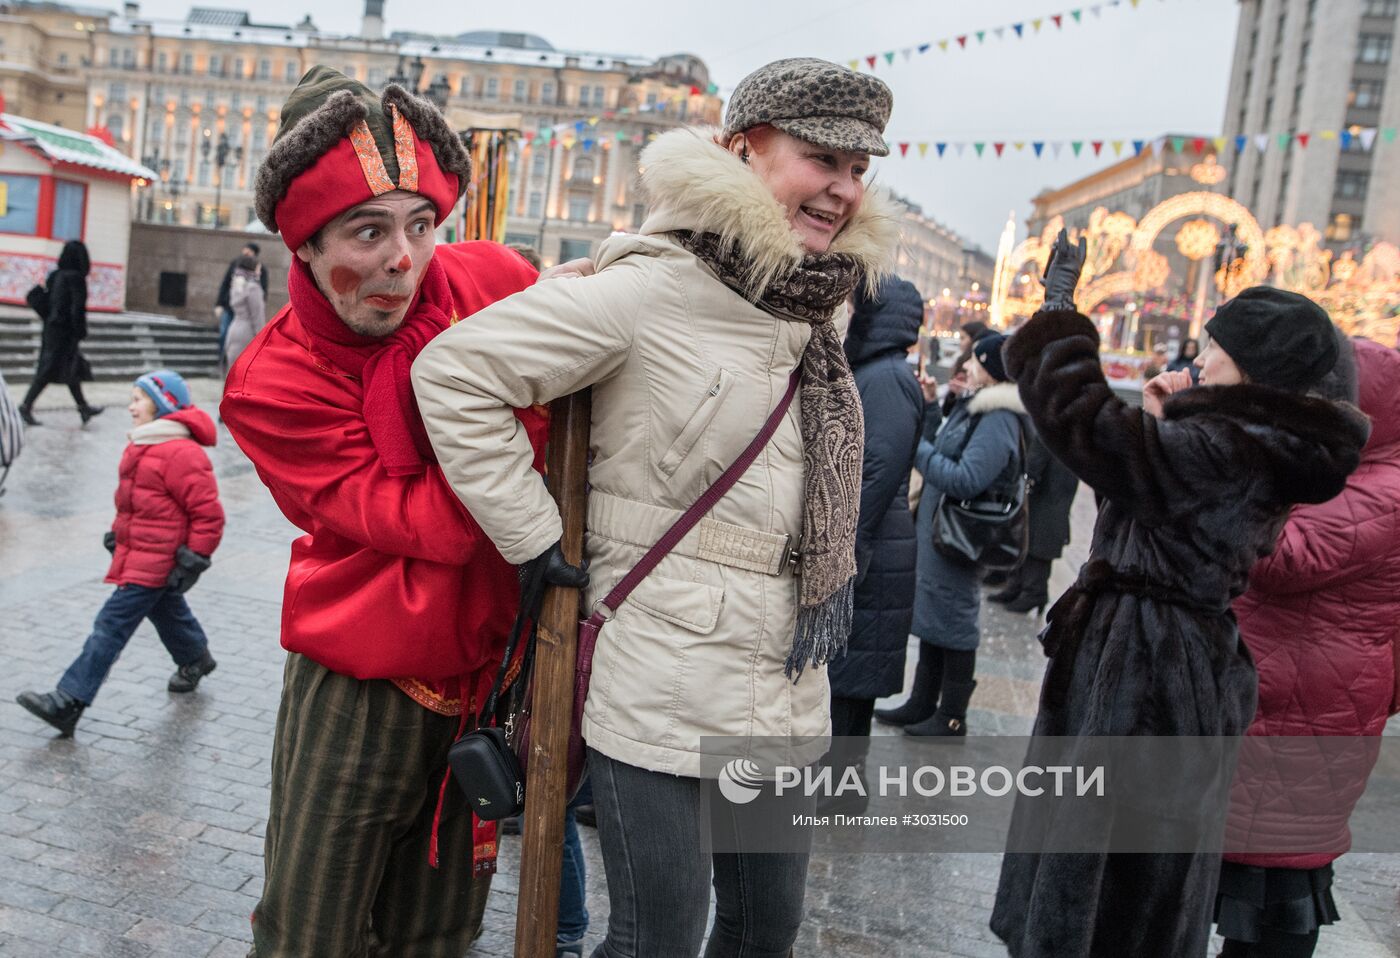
1380	8
187	63
537	165
599	96
216	65
546	92
578	211
114	57
291	72
493	88
520	91
264	69
21	208
68	203
1366	94
536	209
1342	227
238	68
1374	48
117	92
1352	184
583	168
574	249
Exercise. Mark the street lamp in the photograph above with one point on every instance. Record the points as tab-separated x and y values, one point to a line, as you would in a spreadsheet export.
221	154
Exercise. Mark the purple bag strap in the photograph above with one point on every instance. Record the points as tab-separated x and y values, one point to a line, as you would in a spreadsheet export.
697	511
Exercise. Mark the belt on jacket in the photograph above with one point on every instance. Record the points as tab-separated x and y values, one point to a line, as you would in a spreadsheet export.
643	524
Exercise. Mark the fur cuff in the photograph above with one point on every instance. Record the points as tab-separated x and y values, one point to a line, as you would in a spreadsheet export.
1043	329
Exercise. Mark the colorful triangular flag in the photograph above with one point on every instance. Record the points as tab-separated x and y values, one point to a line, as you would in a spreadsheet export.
871	60
1261	142
907	52
998	147
1240	142
1097	145
1076	145
1020	145
1038	146
923	150
1056	146
979	147
1117	147
1368	138
1303	140
943	45
1077	14
1283	140
1059	20
940	147
889	57
923	47
1000	32
1219	142
981	35
1346	139
1035	24
904	149
962	41
1137	147
1388	134
1178	144
1019	28
962	146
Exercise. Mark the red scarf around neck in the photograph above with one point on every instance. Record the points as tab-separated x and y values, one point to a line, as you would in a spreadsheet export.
382	364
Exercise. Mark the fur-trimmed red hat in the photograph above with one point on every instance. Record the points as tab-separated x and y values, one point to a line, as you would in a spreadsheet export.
339	145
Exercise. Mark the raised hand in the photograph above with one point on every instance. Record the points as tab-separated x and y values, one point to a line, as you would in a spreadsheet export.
1062	272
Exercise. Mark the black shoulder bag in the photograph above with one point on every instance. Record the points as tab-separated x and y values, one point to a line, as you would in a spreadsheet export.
991	529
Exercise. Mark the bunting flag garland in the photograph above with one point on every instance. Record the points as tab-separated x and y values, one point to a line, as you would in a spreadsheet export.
1362	138
1076	15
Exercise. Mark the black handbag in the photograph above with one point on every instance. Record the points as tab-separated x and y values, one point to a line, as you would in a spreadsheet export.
38	300
991	530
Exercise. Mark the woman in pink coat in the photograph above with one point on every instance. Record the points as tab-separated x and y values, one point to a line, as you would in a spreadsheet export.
1321	619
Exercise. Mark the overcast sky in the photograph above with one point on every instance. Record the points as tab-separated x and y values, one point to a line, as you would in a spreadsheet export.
1129	73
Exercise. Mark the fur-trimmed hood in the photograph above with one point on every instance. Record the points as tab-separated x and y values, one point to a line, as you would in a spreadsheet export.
994	397
692	183
1311	443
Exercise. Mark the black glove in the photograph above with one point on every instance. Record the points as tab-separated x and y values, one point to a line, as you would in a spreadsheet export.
546	569
1062	272
189	565
109	541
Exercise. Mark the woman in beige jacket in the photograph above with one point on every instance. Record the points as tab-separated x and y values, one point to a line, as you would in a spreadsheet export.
688	334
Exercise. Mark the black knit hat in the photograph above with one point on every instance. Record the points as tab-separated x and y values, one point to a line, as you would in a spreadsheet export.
987	349
1276	338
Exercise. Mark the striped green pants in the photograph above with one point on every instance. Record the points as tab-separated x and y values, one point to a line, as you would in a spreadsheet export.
356	767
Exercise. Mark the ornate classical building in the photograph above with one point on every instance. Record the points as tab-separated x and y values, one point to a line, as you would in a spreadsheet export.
197	100
45	50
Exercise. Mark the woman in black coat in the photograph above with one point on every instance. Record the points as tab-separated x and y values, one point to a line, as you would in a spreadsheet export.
1052	495
1195	487
877	344
64	328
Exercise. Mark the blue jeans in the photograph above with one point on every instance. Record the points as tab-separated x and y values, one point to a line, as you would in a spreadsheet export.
659	873
176	625
225	321
573	878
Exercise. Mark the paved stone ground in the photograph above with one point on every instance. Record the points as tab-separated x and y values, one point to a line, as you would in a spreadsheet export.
142	837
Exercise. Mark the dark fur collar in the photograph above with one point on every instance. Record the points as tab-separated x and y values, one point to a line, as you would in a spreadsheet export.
1312	443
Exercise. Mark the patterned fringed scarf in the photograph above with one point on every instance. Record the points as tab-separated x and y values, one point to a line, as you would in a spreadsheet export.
833	436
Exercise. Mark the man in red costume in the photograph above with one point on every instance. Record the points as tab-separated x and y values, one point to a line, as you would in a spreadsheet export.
396	606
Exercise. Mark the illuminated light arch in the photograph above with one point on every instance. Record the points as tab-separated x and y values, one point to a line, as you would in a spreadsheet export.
1215	205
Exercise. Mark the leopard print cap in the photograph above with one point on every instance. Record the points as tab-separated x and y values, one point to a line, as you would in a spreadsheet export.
814	100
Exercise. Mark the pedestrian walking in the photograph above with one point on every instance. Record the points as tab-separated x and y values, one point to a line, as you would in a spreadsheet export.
1321	619
397	608
65	326
690	335
1195	487
882	329
1053	488
169	522
976	452
223	302
245	297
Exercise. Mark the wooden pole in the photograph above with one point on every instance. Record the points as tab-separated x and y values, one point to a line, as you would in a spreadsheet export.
542	825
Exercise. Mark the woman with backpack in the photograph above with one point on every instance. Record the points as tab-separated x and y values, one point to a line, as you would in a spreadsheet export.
716	318
978	450
65	326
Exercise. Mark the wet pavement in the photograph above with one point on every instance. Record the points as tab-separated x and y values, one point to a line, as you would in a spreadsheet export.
142	836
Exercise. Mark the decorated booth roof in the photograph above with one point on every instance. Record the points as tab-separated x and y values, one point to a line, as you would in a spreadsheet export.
67	146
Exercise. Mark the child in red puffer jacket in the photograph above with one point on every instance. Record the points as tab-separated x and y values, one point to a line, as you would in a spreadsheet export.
168	523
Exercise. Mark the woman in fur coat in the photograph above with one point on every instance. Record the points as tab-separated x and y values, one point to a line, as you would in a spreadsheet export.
1195	487
690	334
977	449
